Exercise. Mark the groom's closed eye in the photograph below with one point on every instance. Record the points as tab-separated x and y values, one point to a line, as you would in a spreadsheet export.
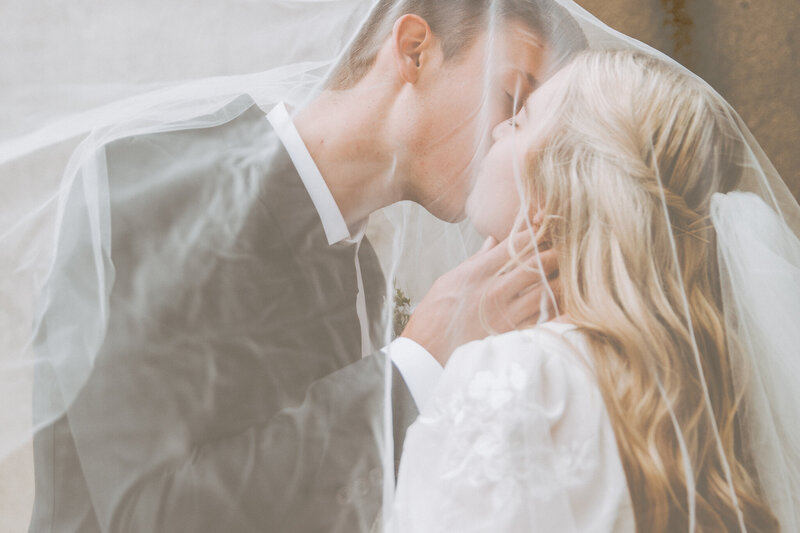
515	98
514	88
515	102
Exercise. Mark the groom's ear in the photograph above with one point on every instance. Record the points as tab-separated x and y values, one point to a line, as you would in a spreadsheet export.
412	43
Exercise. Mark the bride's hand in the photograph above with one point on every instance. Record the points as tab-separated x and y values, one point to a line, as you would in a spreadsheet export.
472	300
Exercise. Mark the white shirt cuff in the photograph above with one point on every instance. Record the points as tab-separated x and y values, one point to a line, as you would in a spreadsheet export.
419	369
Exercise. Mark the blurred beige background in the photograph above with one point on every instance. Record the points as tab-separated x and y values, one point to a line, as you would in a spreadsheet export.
748	50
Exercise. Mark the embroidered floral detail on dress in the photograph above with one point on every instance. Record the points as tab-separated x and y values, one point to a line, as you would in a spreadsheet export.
499	439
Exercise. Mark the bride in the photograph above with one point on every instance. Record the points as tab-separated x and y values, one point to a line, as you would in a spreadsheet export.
630	411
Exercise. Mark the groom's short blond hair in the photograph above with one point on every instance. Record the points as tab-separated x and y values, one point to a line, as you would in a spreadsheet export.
456	23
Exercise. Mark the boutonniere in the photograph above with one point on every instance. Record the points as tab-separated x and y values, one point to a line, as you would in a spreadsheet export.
402	310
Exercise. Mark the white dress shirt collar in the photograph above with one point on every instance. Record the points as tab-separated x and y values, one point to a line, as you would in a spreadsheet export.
333	222
419	369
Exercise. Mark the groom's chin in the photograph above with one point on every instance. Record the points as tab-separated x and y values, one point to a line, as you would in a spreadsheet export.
461	216
449	218
446	211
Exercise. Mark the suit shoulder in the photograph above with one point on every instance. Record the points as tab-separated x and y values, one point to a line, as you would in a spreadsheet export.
238	124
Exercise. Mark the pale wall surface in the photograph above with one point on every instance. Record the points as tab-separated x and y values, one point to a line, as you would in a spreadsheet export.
748	51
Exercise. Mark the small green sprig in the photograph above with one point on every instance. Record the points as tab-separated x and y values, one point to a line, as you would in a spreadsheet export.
402	310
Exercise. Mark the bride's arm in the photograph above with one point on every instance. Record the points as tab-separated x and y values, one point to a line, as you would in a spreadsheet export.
516	438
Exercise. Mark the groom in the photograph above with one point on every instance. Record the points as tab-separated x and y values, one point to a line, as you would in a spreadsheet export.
230	392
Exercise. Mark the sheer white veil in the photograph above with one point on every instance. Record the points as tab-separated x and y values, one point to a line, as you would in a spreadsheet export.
50	140
760	256
118	72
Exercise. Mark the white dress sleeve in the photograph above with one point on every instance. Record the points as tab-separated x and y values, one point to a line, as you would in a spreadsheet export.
516	438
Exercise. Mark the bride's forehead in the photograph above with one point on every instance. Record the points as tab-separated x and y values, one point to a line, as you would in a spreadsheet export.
547	90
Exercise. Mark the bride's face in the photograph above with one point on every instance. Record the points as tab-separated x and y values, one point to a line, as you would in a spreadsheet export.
494	201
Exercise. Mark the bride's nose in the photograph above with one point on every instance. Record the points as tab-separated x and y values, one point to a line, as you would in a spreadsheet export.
502	129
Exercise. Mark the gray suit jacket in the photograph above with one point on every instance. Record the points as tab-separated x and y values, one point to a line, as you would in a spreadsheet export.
232	395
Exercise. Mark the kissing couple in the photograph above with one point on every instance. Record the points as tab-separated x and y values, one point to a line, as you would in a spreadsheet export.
213	342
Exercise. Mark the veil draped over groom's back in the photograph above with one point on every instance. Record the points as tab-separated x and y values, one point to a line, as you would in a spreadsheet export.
152	252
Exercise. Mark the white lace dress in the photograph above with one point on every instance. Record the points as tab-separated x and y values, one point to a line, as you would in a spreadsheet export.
516	438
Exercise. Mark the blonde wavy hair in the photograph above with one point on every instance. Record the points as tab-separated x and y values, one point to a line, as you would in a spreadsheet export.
626	136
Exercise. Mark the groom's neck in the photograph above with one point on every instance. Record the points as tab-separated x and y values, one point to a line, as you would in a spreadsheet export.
347	134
